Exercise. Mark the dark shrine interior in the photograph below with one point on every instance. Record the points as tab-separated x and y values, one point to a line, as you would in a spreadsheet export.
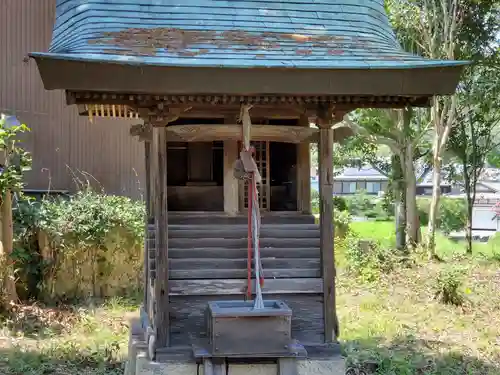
195	174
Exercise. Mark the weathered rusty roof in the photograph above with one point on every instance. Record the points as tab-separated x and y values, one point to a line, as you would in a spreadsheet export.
323	34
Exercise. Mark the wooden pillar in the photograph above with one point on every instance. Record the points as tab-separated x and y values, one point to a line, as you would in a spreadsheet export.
147	161
147	198
304	173
161	321
231	197
304	178
325	156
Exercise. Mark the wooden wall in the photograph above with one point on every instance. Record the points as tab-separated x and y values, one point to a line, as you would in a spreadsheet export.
62	143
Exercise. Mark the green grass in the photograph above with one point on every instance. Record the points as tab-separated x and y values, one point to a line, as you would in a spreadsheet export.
394	325
391	325
383	233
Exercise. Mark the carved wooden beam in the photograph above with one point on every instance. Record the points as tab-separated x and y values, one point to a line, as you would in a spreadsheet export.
157	116
214	132
161	115
331	117
144	132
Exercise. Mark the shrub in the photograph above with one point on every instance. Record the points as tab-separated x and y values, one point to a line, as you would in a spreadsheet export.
387	203
315	201
342	221
89	244
339	203
492	248
452	213
87	218
360	203
448	285
423	208
366	258
26	255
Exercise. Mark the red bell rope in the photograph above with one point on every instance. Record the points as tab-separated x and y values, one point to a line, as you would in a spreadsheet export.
252	199
249	252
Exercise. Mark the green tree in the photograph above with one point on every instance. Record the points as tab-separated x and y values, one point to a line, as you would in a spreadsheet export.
476	132
444	29
14	161
403	133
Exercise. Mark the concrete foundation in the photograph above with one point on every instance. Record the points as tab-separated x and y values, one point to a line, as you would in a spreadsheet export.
139	364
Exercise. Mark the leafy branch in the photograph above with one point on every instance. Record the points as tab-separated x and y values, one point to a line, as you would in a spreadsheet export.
14	160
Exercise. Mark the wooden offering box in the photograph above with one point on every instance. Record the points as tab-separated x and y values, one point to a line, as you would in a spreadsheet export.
236	329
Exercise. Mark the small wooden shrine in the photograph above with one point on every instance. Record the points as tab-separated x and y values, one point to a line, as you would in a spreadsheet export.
190	70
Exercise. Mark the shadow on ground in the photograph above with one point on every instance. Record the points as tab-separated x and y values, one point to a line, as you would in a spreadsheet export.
409	355
403	356
36	321
19	361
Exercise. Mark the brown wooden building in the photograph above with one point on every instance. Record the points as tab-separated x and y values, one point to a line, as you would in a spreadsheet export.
209	77
63	143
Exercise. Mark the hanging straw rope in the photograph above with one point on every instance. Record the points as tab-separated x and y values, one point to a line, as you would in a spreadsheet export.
246	169
255	229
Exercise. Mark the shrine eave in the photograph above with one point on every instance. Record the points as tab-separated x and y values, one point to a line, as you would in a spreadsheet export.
105	73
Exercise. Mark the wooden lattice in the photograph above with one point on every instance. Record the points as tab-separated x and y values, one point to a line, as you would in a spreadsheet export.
261	158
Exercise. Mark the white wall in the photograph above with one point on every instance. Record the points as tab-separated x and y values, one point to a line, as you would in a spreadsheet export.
483	219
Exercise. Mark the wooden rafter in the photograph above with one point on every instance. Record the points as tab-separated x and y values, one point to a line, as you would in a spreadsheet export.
273	101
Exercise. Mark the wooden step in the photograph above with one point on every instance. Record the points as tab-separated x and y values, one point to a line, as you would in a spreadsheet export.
219	218
228	232
183	243
185	227
239	253
242	273
267	263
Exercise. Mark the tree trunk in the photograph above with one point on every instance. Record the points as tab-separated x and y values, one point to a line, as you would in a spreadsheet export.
434	207
9	293
470	204
468	230
399	203
412	222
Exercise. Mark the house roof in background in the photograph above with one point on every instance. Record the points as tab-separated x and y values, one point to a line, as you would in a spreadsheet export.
364	173
494	186
490	174
368	173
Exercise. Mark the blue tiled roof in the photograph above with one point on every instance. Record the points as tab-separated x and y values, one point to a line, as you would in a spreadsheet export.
231	33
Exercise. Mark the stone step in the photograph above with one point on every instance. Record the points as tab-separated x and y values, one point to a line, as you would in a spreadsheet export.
241	253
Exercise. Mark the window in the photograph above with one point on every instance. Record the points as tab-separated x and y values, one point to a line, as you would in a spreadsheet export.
373	187
348	187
